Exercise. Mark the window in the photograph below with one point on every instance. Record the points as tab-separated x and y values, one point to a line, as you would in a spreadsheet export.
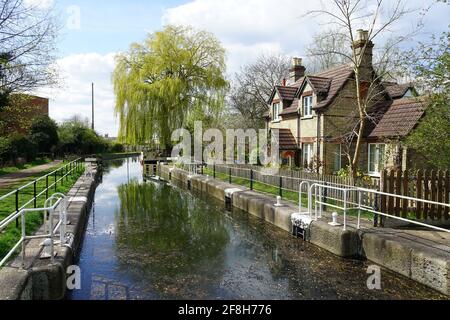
376	158
307	154
276	112
307	106
337	163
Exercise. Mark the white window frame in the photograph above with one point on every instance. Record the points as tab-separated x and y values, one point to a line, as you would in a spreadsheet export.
276	115
307	106
379	158
307	153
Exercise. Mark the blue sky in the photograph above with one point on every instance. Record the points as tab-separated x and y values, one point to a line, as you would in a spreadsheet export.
110	25
246	28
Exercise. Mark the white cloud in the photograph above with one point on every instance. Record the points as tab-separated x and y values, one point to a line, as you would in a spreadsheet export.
250	27
74	98
43	4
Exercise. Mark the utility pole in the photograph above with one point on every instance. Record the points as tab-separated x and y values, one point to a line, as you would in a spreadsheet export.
93	126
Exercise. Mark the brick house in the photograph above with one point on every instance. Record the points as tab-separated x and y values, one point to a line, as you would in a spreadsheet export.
315	112
24	108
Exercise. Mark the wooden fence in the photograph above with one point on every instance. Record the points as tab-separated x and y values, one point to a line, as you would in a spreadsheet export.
433	185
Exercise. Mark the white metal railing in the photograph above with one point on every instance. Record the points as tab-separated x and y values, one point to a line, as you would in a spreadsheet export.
57	203
346	192
319	203
66	171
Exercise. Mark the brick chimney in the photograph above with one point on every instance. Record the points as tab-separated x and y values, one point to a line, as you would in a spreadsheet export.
364	54
297	71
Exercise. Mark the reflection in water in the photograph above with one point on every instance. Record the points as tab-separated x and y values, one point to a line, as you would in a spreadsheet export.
153	241
167	236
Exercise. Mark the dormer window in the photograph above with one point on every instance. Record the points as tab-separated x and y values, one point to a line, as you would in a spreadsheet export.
307	106
276	112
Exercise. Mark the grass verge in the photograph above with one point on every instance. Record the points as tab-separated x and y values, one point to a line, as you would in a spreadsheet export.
10	235
35	163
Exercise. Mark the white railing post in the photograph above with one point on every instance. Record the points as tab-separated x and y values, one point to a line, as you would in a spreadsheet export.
24	236
321	200
52	258
345	209
62	225
359	208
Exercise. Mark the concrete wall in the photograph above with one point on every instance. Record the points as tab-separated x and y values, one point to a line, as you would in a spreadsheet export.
422	263
41	280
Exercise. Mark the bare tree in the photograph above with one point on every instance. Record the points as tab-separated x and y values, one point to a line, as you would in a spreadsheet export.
377	18
27	46
322	52
252	86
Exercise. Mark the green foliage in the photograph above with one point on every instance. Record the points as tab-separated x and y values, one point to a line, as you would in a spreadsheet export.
117	148
22	147
77	137
172	79
5	149
430	64
44	133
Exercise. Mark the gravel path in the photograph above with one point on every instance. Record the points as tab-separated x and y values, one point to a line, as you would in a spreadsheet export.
15	177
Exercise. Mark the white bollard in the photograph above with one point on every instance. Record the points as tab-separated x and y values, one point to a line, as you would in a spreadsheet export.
278	204
47	252
335	222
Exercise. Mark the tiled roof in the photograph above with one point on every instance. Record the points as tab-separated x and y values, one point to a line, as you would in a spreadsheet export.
338	77
286	92
320	85
293	108
400	119
287	140
397	91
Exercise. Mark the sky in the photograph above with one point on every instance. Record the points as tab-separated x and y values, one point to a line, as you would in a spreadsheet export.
93	32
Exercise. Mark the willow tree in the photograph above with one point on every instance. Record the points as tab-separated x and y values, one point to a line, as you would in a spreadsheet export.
174	77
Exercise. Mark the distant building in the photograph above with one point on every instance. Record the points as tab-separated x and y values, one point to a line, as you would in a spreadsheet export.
18	116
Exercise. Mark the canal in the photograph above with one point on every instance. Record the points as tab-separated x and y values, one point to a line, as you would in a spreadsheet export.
148	240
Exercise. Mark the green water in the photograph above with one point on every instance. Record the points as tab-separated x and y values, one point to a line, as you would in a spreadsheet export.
149	240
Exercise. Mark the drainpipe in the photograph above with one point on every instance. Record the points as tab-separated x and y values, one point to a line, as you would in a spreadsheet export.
318	139
299	144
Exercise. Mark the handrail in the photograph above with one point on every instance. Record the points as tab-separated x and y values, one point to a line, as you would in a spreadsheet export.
61	204
74	165
39	179
360	206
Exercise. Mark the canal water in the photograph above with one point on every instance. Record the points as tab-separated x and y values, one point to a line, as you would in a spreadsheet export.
148	240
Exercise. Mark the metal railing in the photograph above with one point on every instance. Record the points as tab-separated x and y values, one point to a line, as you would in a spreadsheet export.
317	195
57	203
319	203
58	176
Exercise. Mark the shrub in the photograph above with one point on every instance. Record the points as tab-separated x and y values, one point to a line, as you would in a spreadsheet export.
5	150
44	133
117	148
23	147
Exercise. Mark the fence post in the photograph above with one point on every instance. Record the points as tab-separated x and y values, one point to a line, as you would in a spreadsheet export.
214	170
56	178
251	179
281	186
229	174
46	187
17	207
34	194
325	196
